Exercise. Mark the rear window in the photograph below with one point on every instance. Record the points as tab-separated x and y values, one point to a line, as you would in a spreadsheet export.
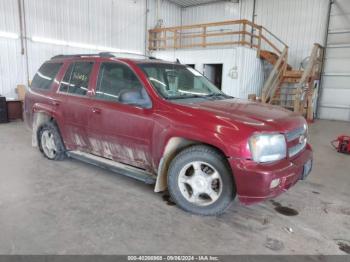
45	75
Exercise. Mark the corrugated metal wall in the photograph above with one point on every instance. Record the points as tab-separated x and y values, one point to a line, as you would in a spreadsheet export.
168	12
221	11
299	23
85	26
211	13
121	24
335	93
11	61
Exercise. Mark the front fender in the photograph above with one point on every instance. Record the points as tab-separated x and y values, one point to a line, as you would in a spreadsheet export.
170	141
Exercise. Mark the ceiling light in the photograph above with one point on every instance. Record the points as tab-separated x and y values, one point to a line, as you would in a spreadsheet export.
48	40
9	35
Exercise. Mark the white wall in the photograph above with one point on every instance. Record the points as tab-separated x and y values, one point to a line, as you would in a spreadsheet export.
334	102
299	23
121	24
168	12
11	62
242	71
85	26
221	11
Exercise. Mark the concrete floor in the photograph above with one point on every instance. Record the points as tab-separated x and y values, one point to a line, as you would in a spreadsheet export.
69	207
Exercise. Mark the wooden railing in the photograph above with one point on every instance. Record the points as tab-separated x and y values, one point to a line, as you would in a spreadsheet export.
227	33
304	88
275	78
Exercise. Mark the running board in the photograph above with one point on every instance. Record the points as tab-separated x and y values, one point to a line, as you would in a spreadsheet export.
116	167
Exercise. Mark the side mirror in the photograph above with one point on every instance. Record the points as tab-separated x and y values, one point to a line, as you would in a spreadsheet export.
137	97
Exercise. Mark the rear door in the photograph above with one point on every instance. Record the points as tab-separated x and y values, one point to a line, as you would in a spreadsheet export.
118	131
75	109
44	81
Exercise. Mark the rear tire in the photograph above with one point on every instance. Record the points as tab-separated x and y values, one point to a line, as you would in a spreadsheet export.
50	142
200	181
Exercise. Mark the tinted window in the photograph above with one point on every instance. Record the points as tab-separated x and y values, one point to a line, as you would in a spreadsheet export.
45	75
115	78
65	82
76	79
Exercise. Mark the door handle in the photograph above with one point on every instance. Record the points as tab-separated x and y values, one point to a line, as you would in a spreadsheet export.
96	110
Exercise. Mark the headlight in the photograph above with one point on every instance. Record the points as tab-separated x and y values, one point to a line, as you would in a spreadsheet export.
268	147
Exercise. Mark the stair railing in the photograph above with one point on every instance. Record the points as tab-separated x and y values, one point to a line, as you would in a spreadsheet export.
304	88
275	78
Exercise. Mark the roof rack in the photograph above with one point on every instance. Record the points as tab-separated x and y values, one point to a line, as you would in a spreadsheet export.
115	54
73	56
104	54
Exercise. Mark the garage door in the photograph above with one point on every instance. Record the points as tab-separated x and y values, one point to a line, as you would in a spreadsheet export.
335	95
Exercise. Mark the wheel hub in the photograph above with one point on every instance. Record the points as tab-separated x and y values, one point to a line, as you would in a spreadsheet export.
200	182
48	144
198	186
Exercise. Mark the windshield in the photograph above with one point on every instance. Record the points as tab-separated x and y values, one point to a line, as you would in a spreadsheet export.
179	81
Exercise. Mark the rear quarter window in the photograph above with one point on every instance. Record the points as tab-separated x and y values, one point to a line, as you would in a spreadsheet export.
46	74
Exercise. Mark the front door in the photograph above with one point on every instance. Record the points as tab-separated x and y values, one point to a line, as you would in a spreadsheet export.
120	131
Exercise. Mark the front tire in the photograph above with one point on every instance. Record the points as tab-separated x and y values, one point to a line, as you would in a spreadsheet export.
200	181
50	142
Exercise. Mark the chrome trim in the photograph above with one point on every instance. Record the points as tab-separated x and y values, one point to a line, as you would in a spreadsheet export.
294	134
298	133
292	151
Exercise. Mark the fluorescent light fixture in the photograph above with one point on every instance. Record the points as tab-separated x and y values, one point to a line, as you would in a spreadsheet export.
48	40
8	35
107	49
80	45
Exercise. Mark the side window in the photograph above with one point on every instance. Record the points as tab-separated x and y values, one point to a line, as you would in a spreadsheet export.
114	79
45	75
76	79
66	79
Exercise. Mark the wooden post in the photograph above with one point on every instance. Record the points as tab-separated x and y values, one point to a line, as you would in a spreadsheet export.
310	109
297	101
175	39
165	40
204	39
244	31
259	41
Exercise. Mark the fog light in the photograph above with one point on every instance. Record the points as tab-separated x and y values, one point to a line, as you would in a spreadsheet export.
275	183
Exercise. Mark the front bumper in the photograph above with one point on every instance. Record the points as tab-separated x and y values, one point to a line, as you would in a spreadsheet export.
253	180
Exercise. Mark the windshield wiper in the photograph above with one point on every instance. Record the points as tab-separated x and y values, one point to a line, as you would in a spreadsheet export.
185	97
219	94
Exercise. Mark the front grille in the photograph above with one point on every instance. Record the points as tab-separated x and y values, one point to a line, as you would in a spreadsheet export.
296	140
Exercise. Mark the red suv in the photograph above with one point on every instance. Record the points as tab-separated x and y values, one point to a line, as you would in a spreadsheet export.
166	124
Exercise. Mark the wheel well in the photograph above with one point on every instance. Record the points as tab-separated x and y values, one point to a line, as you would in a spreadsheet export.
174	146
39	119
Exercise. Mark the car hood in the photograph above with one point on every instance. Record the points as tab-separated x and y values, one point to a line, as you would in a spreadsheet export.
257	115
